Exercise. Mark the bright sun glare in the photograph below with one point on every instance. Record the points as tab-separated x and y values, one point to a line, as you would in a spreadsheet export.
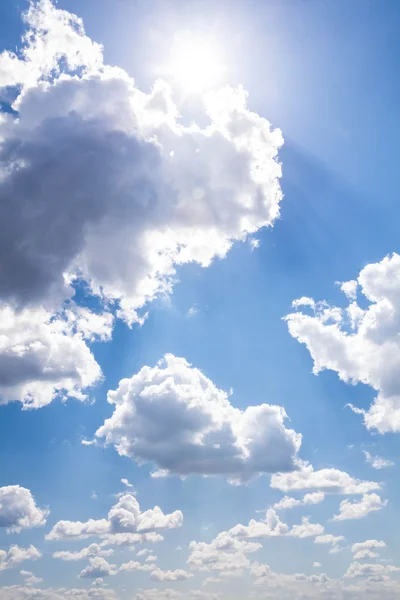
195	64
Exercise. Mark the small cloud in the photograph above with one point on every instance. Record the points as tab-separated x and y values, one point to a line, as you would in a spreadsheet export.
377	462
254	243
317	565
93	495
126	482
193	311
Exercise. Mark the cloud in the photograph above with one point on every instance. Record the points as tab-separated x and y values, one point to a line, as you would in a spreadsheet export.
18	509
151	558
126	482
224	553
333	540
125	517
177	575
97	567
362	550
15	555
317	565
134	565
329	480
143	552
357	510
287	502
174	416
361	345
92	550
15	592
377	462
377	571
30	578
42	357
272	526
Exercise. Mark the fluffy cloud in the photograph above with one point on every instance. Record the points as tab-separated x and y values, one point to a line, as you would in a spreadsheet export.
16	592
377	462
224	553
357	510
377	571
177	575
42	357
15	555
30	578
18	509
362	550
126	483
287	502
332	540
272	526
329	480
133	565
361	344
97	567
175	417
92	550
125	517
103	183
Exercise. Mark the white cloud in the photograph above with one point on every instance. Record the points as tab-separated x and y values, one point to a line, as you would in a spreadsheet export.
357	510
329	480
272	526
15	592
175	417
287	502
224	553
125	517
370	352
349	288
143	192
30	578
317	565
176	575
126	482
151	558
134	565
377	462
143	552
97	567
92	550
15	555
42	357
156	594
332	540
362	550
375	570
18	509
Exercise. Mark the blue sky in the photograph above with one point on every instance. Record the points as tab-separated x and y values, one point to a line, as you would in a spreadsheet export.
103	186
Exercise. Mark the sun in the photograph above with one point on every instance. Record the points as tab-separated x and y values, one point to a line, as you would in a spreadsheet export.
195	63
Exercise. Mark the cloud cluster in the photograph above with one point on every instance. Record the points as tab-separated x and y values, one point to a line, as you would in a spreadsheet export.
272	526
357	510
89	551
175	417
18	509
125	517
328	480
362	550
104	184
287	502
15	555
377	462
361	344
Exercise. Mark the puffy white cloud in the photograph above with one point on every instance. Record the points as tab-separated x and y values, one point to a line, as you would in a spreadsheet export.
272	526
224	553
26	592
362	550
377	462
357	510
332	540
317	565
124	518
288	502
18	509
144	191
156	594
176	575
126	482
30	578
175	417
143	552
97	567
329	480
375	570
42	357
306	529
151	558
133	565
15	555
92	550
361	345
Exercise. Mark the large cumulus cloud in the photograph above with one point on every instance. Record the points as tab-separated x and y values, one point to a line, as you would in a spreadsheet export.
360	342
173	416
103	183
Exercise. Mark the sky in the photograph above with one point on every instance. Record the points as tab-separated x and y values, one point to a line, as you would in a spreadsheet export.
199	300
